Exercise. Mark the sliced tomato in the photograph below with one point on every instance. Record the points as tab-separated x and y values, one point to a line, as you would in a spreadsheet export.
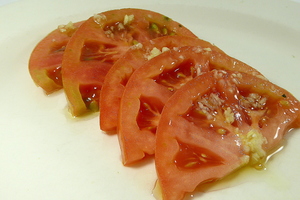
217	123
99	43
117	77
151	85
46	58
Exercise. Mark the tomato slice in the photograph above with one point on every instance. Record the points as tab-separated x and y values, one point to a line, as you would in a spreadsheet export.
46	58
217	123
99	43
117	77
151	85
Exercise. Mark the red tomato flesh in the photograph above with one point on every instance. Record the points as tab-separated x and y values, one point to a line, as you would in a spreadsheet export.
117	77
46	58
217	123
151	85
99	43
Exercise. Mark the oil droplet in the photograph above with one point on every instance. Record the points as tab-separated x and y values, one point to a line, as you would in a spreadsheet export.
157	191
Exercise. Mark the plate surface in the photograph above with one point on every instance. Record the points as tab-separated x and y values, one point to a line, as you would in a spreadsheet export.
46	154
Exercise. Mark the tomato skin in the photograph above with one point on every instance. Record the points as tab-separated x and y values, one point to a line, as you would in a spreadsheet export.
100	42
174	129
158	79
46	58
117	77
113	87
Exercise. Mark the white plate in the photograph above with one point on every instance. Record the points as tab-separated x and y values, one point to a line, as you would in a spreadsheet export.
45	154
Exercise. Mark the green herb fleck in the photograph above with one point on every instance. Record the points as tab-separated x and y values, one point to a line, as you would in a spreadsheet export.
134	42
165	31
167	18
154	27
284	96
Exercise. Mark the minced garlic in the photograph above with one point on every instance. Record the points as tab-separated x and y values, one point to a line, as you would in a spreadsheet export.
252	143
99	18
137	46
155	52
128	19
254	100
64	28
208	105
68	29
229	115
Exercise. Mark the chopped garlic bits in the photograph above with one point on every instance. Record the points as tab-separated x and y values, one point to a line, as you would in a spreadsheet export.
128	19
155	52
229	115
254	101
99	18
164	49
212	106
197	49
207	49
68	29
110	30
252	143
137	46
208	105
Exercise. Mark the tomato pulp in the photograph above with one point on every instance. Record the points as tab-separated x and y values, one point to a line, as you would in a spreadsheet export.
117	77
152	84
46	58
217	123
99	43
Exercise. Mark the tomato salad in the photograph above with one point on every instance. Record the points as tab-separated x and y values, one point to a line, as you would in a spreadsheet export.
99	43
167	93
217	123
45	60
153	83
116	79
